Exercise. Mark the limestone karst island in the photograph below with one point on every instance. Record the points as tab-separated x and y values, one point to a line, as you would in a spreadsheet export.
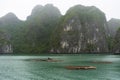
81	29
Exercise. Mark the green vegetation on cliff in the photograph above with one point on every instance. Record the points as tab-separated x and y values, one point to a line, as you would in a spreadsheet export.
117	42
32	35
113	39
41	24
81	29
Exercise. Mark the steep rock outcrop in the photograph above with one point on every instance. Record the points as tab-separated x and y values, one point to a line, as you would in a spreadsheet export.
5	45
82	29
10	28
40	25
116	48
113	26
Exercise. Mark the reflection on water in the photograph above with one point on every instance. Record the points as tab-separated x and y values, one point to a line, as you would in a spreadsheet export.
16	68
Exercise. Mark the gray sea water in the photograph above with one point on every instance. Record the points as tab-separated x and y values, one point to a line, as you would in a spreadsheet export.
17	68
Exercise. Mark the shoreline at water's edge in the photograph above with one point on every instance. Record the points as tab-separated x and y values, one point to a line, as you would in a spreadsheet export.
40	54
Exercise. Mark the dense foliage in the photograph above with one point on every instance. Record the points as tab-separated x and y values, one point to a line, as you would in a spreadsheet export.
113	39
117	42
32	35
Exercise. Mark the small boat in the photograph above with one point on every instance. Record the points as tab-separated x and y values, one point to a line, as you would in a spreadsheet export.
104	62
45	60
80	67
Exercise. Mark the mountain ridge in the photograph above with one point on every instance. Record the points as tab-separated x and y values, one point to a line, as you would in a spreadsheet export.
81	29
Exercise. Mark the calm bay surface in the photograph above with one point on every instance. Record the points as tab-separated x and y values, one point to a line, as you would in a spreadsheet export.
17	68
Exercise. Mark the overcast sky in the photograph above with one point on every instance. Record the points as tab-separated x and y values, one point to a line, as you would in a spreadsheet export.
23	8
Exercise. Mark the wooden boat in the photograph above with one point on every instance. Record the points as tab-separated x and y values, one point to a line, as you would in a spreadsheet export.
105	62
80	67
45	60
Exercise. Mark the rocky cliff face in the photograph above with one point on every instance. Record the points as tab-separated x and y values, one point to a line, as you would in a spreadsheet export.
5	45
113	26
116	48
82	29
40	25
9	26
32	35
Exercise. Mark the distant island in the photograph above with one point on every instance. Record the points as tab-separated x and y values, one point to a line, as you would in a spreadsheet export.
81	29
